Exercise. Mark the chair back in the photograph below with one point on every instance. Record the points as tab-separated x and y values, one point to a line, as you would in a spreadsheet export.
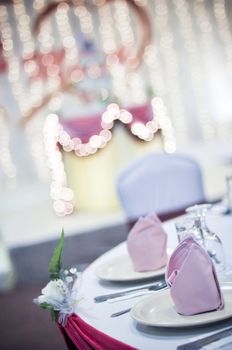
159	183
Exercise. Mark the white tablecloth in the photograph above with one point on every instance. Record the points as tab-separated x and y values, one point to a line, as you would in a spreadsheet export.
124	328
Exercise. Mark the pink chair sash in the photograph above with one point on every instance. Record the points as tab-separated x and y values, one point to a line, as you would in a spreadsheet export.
81	336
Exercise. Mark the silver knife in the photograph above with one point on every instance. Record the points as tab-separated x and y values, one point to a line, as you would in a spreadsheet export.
155	286
213	338
122	312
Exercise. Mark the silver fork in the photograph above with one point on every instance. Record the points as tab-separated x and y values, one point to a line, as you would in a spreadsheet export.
134	295
155	286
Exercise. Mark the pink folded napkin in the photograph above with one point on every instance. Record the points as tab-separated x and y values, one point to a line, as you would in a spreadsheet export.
147	243
193	280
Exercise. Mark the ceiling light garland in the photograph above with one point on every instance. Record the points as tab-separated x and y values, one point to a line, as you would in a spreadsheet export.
61	194
182	9
23	99
204	22
66	34
224	31
54	135
165	124
141	13
108	40
35	88
46	63
159	107
12	60
156	78
6	163
123	24
129	79
85	19
75	73
172	70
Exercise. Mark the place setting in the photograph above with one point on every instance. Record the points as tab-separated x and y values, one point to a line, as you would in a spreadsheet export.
143	258
192	288
194	296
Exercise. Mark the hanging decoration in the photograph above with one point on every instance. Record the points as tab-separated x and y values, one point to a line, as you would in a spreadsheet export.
57	139
70	74
124	54
85	136
44	71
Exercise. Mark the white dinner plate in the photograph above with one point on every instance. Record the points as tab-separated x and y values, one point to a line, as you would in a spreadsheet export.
120	269
158	310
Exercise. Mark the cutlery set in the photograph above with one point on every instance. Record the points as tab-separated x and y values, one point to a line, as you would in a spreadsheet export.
130	293
152	287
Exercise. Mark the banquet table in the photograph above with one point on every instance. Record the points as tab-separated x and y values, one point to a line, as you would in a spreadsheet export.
124	328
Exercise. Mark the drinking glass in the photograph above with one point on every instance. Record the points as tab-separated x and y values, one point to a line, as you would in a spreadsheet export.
189	226
210	240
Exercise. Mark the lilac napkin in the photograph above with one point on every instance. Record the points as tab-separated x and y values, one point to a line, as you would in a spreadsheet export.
147	243
193	281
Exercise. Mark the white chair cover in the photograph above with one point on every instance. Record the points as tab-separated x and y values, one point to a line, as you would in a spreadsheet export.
159	183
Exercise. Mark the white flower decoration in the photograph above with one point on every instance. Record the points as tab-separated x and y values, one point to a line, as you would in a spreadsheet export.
60	294
54	293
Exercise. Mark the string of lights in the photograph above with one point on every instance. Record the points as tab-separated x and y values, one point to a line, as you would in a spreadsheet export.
54	134
13	74
34	90
224	32
166	41
191	46
209	56
156	78
6	163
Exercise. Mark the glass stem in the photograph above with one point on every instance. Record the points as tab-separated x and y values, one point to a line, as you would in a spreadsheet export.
200	229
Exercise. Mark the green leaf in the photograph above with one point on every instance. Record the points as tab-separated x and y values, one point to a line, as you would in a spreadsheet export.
55	262
45	306
54	315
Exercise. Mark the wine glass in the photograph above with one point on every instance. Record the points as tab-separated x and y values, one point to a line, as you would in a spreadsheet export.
189	226
210	240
